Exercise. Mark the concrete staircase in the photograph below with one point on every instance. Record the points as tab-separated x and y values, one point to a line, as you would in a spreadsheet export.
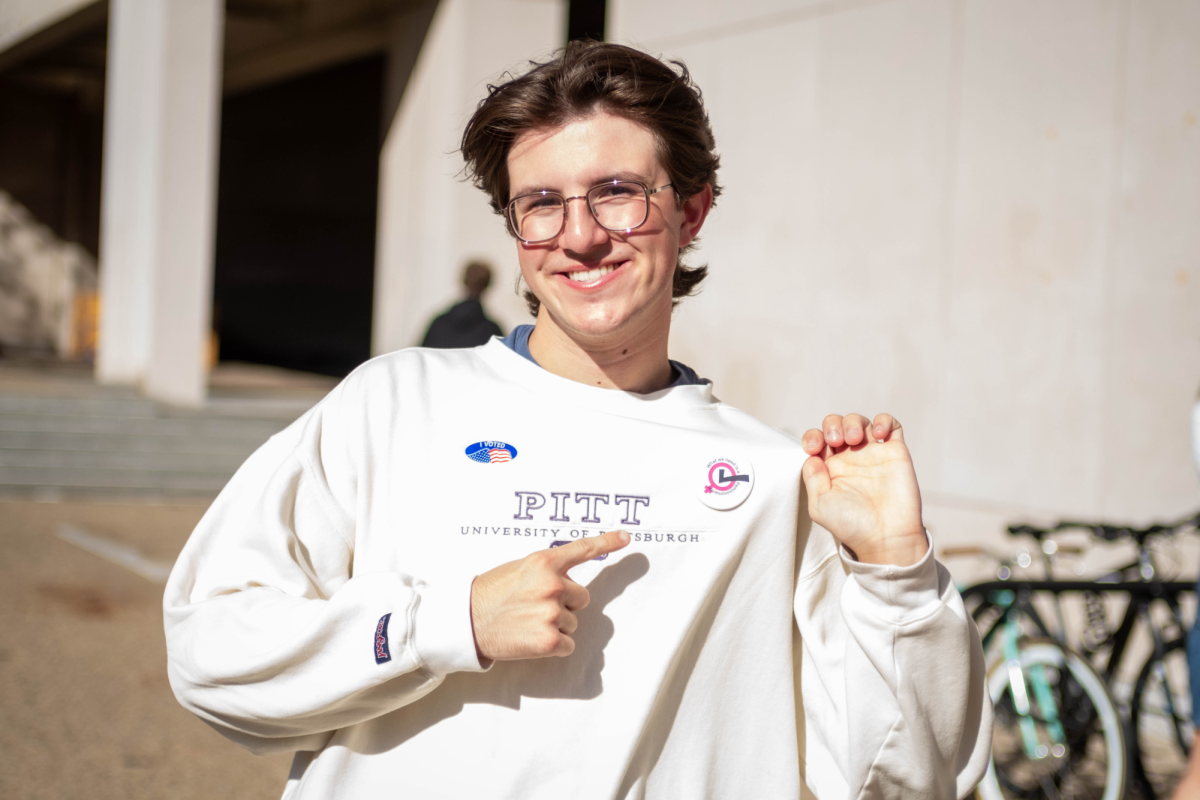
75	440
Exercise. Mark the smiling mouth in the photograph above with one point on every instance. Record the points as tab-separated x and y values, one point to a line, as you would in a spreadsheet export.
589	275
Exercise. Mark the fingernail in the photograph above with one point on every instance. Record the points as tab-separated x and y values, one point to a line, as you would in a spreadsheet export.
623	537
851	432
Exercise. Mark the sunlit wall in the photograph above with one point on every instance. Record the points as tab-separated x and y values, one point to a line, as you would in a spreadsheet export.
980	216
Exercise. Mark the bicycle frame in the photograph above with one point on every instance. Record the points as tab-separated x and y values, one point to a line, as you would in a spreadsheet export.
1141	595
1034	748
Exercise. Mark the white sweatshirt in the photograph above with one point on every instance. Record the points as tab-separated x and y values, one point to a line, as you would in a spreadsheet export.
323	604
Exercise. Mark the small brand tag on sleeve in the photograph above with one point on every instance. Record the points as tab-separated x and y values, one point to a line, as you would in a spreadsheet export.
382	653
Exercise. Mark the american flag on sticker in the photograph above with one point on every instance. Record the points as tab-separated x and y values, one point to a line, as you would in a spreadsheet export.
491	452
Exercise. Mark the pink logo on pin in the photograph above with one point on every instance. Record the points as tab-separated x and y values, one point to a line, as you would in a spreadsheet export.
729	483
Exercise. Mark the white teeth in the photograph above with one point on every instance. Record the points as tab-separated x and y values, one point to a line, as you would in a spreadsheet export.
587	275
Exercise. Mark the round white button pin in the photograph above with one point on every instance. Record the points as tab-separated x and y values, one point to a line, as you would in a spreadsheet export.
725	482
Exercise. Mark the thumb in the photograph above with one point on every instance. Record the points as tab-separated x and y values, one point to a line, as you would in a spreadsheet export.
576	553
816	477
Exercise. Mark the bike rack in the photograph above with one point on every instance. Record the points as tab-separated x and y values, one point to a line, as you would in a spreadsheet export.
1133	588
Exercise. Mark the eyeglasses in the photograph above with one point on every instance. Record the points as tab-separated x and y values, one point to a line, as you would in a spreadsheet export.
619	206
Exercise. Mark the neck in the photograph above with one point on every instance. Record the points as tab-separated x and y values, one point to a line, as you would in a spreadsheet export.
631	361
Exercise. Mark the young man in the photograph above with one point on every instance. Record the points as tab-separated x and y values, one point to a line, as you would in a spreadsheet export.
383	586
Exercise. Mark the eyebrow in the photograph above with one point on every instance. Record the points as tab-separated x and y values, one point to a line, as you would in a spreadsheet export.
622	175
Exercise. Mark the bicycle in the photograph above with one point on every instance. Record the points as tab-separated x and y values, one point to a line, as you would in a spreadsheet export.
1159	729
1159	707
1058	732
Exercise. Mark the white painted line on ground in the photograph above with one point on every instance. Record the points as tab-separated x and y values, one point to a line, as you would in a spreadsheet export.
119	554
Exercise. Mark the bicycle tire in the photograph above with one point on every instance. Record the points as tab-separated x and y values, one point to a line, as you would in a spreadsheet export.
1160	753
1094	762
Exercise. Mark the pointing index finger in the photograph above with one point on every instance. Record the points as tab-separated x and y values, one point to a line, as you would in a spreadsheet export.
576	553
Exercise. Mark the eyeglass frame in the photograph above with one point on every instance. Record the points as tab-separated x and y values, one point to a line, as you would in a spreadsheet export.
508	208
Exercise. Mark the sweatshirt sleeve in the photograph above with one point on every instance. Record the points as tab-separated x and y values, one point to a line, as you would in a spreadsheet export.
273	637
892	678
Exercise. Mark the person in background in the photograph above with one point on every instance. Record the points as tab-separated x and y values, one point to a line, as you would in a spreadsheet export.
1189	787
465	324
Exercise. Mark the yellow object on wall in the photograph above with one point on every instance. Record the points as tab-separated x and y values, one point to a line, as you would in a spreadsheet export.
85	325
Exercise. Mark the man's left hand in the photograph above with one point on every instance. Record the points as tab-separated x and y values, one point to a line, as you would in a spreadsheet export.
863	489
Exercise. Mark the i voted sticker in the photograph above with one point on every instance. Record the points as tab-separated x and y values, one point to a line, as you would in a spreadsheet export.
726	483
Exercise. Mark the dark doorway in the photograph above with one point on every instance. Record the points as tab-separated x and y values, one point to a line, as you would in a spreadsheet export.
52	126
585	20
296	204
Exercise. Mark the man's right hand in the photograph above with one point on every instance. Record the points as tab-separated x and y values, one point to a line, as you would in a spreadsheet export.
526	608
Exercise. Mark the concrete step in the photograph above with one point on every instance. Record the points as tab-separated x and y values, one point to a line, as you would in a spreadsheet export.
104	494
77	406
171	460
160	480
278	409
128	443
62	436
129	446
217	427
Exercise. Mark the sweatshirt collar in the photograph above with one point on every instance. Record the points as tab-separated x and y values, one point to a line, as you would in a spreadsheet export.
663	403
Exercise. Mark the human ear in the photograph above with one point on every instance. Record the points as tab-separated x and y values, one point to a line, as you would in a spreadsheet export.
695	211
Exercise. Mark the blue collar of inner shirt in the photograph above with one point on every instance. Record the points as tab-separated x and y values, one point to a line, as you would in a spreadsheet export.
518	342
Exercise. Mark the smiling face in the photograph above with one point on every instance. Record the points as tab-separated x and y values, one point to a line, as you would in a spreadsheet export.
598	286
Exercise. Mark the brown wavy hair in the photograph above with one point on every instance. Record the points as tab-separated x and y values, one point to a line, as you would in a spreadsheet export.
583	78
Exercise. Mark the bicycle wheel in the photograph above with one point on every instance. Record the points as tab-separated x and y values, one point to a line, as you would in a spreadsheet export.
1089	760
1161	715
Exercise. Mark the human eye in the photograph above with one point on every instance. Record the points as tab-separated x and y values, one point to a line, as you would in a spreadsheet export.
618	190
539	203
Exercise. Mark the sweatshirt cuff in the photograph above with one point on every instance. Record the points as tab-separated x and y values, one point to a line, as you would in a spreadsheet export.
897	593
443	637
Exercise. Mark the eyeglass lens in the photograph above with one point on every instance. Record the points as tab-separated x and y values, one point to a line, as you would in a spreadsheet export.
617	206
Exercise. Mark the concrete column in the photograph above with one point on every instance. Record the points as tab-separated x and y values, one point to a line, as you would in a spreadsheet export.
157	218
431	220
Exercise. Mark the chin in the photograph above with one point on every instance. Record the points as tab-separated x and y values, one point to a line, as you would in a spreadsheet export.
593	322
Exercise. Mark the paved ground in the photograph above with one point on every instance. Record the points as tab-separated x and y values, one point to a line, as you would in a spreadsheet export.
85	708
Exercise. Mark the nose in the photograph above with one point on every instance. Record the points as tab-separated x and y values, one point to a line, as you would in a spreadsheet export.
581	232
